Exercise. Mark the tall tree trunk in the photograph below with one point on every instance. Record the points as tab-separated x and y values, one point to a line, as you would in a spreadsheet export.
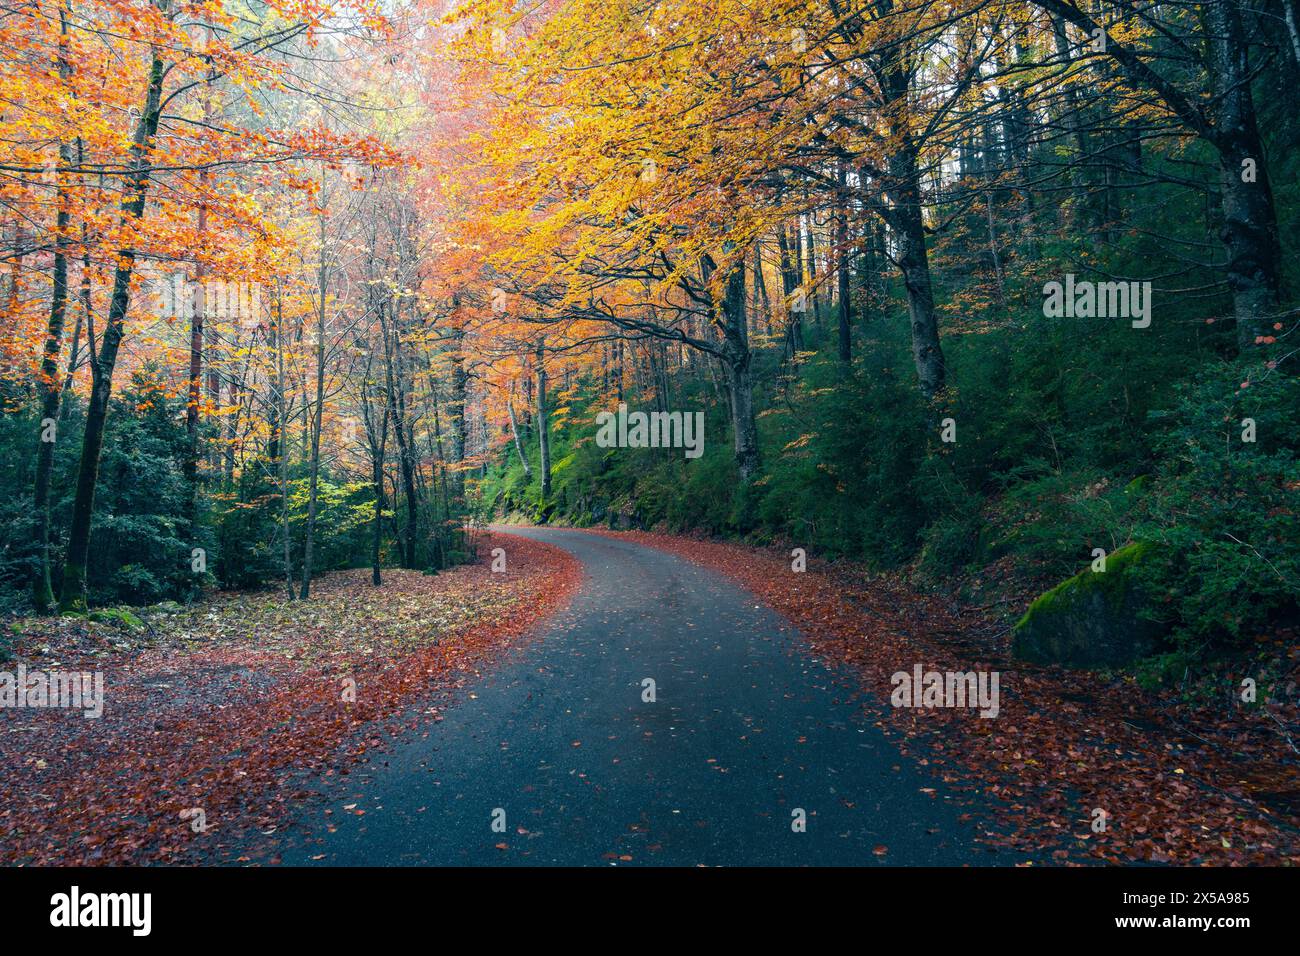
43	593
789	286
281	453
441	476
1071	117
842	265
904	216
1292	28
459	380
194	396
1249	230
543	425
813	287
762	302
377	446
1228	122
734	327
395	378
313	481
914	262
519	445
72	596
377	533
83	314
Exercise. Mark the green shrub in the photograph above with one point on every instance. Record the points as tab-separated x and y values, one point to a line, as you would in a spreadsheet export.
1228	510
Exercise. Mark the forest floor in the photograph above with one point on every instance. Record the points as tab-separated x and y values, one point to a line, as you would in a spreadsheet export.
217	717
1177	781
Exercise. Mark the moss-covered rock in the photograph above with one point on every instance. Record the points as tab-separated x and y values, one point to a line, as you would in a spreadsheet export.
119	617
1092	619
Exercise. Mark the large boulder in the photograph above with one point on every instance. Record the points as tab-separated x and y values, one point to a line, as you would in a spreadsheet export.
1092	619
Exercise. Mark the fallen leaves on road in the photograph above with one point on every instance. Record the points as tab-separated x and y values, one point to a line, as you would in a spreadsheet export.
1175	785
233	705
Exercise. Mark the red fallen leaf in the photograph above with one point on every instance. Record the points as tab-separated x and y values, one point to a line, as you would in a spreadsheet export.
880	850
502	846
1057	775
246	742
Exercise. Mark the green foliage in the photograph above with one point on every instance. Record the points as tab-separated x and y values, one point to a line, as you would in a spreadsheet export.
1054	520
1068	440
140	549
147	522
246	527
1228	510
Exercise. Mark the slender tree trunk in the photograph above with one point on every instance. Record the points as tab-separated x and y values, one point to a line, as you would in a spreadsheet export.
1228	122
406	446
814	287
73	594
377	533
377	477
83	314
394	371
842	267
1081	211
459	380
1292	28
762	302
740	382
282	446
789	287
316	422
913	261
1250	230
43	595
194	396
441	477
519	445
618	369
543	425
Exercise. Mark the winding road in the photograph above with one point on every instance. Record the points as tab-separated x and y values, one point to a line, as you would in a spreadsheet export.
561	744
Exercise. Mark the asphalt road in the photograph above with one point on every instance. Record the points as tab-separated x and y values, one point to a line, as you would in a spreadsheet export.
745	729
